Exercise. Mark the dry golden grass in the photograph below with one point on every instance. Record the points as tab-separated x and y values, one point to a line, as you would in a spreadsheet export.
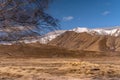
58	69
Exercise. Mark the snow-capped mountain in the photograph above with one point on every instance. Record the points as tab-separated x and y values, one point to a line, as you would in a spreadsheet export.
41	39
52	35
111	32
89	39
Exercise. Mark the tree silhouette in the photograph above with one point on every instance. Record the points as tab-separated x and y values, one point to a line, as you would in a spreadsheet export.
22	18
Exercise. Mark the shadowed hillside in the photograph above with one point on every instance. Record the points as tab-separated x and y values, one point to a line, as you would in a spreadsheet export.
37	50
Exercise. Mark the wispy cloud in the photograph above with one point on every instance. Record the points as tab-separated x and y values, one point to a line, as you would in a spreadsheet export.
68	18
106	13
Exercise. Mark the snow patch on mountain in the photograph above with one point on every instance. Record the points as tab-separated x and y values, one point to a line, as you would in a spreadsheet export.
80	29
111	32
50	36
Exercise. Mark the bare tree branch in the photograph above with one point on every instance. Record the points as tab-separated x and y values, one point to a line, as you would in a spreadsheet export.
30	14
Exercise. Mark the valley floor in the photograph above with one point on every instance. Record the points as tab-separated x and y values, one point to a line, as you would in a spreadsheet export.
107	68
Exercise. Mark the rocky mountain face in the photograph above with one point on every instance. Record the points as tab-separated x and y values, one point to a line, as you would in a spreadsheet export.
87	41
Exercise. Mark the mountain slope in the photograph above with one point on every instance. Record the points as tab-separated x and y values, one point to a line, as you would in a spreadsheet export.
87	42
37	50
33	50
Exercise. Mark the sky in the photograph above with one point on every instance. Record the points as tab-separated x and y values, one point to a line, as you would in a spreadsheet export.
86	13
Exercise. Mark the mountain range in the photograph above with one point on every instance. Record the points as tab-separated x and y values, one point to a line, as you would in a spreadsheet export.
63	43
89	39
115	32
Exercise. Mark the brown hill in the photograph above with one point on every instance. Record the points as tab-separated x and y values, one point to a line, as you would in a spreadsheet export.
87	42
31	50
37	50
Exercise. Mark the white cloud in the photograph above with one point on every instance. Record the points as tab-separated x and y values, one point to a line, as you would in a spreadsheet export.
106	13
68	18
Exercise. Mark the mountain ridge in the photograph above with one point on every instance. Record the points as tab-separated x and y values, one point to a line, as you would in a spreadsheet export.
52	35
87	42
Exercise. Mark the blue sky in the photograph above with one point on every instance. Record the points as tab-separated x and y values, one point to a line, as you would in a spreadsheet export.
86	13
